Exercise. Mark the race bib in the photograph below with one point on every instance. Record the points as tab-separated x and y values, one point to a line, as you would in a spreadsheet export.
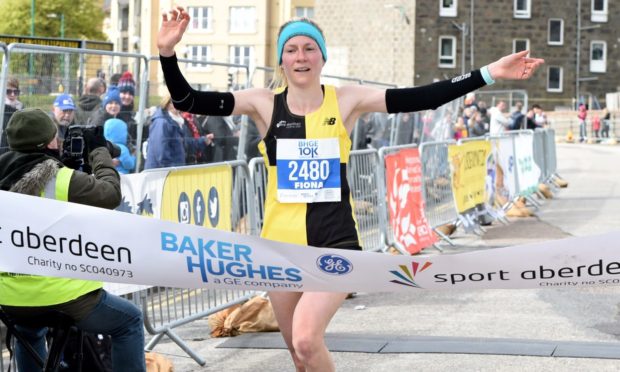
308	170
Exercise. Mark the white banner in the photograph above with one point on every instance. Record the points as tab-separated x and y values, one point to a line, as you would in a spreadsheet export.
506	161
528	173
142	193
47	237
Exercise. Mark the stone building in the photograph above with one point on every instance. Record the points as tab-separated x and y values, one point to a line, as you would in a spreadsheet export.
418	42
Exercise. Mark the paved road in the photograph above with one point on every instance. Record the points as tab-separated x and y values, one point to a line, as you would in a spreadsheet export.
588	206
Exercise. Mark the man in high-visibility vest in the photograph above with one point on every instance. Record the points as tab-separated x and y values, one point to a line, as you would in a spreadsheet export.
33	166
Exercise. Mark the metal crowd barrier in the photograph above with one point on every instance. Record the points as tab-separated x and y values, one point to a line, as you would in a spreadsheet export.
258	177
551	160
168	308
539	154
437	185
65	71
368	201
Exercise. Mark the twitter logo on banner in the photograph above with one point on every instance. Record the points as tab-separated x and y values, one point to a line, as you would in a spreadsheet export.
213	207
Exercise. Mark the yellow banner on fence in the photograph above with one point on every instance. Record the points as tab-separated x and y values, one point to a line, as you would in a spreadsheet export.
199	196
469	171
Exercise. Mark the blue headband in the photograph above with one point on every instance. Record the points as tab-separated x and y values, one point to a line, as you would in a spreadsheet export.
300	28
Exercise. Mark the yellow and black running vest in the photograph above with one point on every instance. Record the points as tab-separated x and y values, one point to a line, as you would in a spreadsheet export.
305	139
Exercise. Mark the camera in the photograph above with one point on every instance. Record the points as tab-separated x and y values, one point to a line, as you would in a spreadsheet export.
75	149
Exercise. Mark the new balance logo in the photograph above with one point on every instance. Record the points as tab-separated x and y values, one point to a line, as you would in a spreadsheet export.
281	123
329	121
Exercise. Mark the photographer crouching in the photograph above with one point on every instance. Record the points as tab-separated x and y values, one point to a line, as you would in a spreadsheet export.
33	166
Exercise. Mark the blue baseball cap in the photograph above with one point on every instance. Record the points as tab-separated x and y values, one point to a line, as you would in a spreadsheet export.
64	102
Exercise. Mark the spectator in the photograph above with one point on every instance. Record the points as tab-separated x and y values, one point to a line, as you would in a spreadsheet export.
406	129
127	89
253	138
63	115
606	123
115	131
12	94
596	126
477	127
168	144
225	138
517	117
90	101
499	122
484	115
114	79
11	104
359	136
201	154
540	118
111	107
529	120
470	100
32	167
459	130
582	114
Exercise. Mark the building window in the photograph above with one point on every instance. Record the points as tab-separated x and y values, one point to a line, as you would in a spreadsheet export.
519	45
599	11
242	19
598	56
523	8
447	51
200	18
447	8
554	79
125	18
125	44
198	53
555	32
241	55
304	12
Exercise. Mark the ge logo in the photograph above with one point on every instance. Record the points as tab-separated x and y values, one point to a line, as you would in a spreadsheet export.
334	264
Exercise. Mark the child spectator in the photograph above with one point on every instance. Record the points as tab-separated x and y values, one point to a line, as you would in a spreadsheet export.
596	125
115	131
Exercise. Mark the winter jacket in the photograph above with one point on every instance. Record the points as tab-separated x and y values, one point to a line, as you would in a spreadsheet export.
32	173
115	131
169	143
87	105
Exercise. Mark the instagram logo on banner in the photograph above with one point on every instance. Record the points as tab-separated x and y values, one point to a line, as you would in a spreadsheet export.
184	212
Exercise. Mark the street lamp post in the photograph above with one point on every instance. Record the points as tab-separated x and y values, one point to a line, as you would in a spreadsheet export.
62	62
62	22
31	57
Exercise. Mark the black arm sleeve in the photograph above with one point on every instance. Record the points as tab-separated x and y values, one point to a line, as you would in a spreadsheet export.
187	99
433	95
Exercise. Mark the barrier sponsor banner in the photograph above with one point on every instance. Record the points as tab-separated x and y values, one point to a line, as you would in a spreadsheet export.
469	170
528	173
84	242
490	183
199	196
506	170
142	193
406	205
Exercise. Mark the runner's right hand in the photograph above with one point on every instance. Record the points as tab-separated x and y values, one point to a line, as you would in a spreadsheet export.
174	24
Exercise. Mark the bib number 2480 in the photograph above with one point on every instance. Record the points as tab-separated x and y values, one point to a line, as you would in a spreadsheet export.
309	170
